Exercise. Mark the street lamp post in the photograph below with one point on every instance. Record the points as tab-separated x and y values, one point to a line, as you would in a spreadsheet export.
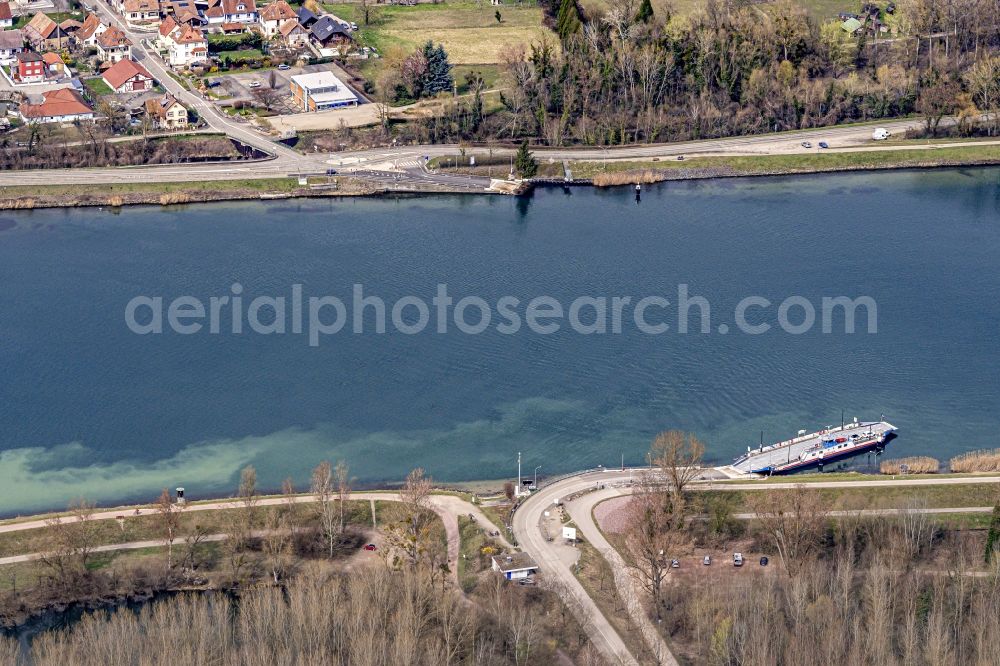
536	476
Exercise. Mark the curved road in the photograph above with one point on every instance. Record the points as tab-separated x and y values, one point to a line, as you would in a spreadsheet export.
447	507
527	520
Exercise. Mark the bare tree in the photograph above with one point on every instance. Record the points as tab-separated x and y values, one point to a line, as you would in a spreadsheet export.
343	477
71	543
794	519
410	535
678	455
322	488
654	536
168	518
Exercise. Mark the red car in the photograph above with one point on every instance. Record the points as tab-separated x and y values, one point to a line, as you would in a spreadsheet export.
371	546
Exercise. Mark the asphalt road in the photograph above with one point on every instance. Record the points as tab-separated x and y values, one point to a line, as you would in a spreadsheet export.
528	517
447	507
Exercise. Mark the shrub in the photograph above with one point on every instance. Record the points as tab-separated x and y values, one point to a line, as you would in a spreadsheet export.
914	465
985	460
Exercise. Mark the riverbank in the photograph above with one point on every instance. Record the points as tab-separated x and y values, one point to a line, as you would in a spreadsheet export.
30	197
612	172
599	174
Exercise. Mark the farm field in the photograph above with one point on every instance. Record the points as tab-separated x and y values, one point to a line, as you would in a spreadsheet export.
469	31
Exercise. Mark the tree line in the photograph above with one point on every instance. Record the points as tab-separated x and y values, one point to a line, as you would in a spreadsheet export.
629	75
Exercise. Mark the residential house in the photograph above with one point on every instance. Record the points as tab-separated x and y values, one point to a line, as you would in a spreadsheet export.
113	45
239	11
187	46
214	14
11	43
183	12
55	68
58	106
514	566
321	91
306	17
6	17
167	113
275	15
128	76
140	13
44	34
167	27
91	29
28	67
330	33
293	34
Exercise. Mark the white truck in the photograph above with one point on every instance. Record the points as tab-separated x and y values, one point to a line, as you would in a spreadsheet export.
880	134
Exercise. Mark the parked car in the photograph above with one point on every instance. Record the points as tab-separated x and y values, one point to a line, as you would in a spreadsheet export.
254	84
707	561
331	172
675	564
354	26
737	559
806	144
763	561
824	144
284	67
880	134
371	546
526	581
680	158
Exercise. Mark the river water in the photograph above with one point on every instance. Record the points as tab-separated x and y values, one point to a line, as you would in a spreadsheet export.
90	408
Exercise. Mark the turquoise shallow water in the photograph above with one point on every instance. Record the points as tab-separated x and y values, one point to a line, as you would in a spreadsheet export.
88	408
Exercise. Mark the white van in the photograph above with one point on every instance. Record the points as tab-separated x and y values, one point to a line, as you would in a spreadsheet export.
880	134
737	559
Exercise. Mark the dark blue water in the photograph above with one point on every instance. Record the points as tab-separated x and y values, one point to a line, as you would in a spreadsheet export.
89	408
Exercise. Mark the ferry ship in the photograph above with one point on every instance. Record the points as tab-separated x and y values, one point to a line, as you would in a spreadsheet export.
806	451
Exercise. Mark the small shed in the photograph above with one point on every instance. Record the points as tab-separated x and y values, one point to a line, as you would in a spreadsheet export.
514	566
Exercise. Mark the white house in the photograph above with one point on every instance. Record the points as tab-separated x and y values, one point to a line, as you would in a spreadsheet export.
113	45
63	105
11	43
91	30
514	566
140	13
239	11
188	45
274	15
6	17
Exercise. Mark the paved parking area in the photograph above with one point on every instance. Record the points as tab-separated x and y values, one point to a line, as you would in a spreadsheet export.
238	84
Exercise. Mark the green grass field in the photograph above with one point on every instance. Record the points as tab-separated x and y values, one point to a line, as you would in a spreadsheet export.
98	87
469	31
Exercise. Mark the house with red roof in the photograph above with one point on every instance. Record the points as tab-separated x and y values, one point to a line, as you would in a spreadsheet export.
93	27
63	105
6	17
45	34
188	45
113	45
128	76
274	15
54	65
139	13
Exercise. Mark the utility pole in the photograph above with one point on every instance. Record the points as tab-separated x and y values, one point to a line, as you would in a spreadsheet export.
517	491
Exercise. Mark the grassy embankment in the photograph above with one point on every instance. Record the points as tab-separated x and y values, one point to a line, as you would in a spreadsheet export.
883	497
26	197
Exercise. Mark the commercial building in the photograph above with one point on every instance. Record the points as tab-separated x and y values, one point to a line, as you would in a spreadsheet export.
321	91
